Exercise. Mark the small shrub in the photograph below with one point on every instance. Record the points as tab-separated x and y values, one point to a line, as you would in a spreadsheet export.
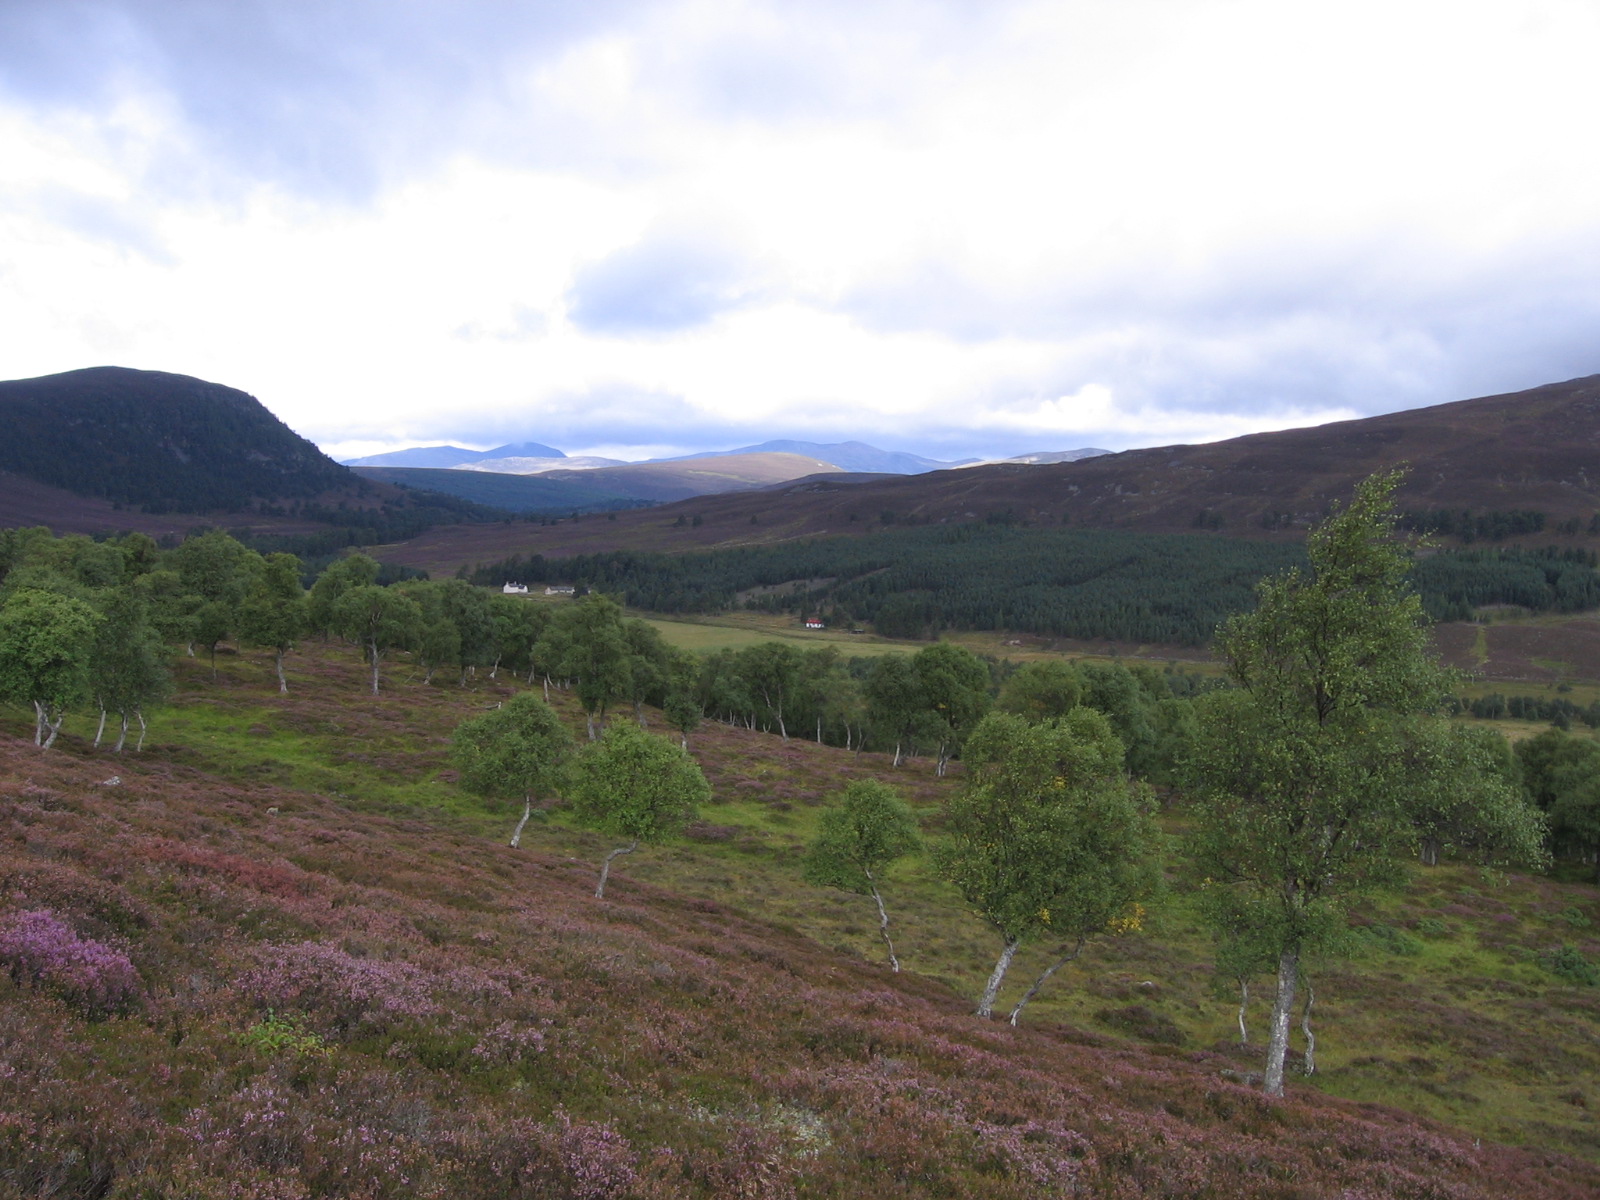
1571	965
1392	941
40	949
1575	917
282	1035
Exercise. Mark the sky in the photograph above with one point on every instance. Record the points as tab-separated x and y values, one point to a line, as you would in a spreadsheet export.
954	227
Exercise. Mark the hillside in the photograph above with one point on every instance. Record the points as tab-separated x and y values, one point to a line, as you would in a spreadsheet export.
168	443
1534	450
679	480
445	457
856	457
339	981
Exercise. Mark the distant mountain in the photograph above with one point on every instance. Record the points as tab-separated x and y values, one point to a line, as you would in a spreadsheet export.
1057	456
170	443
513	493
533	465
445	457
847	456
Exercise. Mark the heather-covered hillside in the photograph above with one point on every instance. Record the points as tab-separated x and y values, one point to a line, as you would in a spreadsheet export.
279	954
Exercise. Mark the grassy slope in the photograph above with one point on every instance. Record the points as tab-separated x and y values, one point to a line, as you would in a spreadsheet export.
714	1006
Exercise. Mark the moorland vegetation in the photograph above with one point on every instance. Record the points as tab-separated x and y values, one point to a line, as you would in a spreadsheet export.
342	987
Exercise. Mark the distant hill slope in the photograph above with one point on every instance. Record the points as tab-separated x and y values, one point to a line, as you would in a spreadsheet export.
847	456
1534	450
685	478
445	457
513	493
170	443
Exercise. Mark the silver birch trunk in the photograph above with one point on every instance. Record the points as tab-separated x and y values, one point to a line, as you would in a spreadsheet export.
527	811
1244	1002
897	754
373	651
883	921
1305	1027
122	735
100	729
605	867
283	684
143	729
1282	1008
986	1002
38	724
1043	978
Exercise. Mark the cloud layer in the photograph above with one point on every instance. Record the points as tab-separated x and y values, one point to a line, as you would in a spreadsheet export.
953	228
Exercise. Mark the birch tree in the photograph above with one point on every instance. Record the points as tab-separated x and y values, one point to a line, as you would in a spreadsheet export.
45	644
519	750
870	828
1307	772
635	785
1048	838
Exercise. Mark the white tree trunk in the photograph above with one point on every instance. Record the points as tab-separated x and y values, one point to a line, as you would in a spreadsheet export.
122	735
373	652
1282	1008
986	1002
283	684
143	729
1305	1027
100	730
38	724
1244	1002
883	922
1043	978
897	754
527	811
605	867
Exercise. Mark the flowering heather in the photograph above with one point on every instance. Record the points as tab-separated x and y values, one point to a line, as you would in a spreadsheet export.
38	948
327	983
348	988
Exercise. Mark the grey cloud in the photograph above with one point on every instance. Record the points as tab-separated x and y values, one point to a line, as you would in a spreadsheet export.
325	98
1371	325
665	283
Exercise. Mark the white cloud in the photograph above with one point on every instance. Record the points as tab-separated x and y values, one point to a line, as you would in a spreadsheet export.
994	226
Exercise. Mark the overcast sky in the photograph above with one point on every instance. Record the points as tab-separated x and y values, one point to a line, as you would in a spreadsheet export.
957	228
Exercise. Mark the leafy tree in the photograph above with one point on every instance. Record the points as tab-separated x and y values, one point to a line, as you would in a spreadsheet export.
1042	691
856	842
45	645
520	749
1468	794
771	672
273	614
635	785
438	641
1306	772
585	642
128	664
378	620
1562	774
467	608
1048	837
897	707
681	702
955	686
340	576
